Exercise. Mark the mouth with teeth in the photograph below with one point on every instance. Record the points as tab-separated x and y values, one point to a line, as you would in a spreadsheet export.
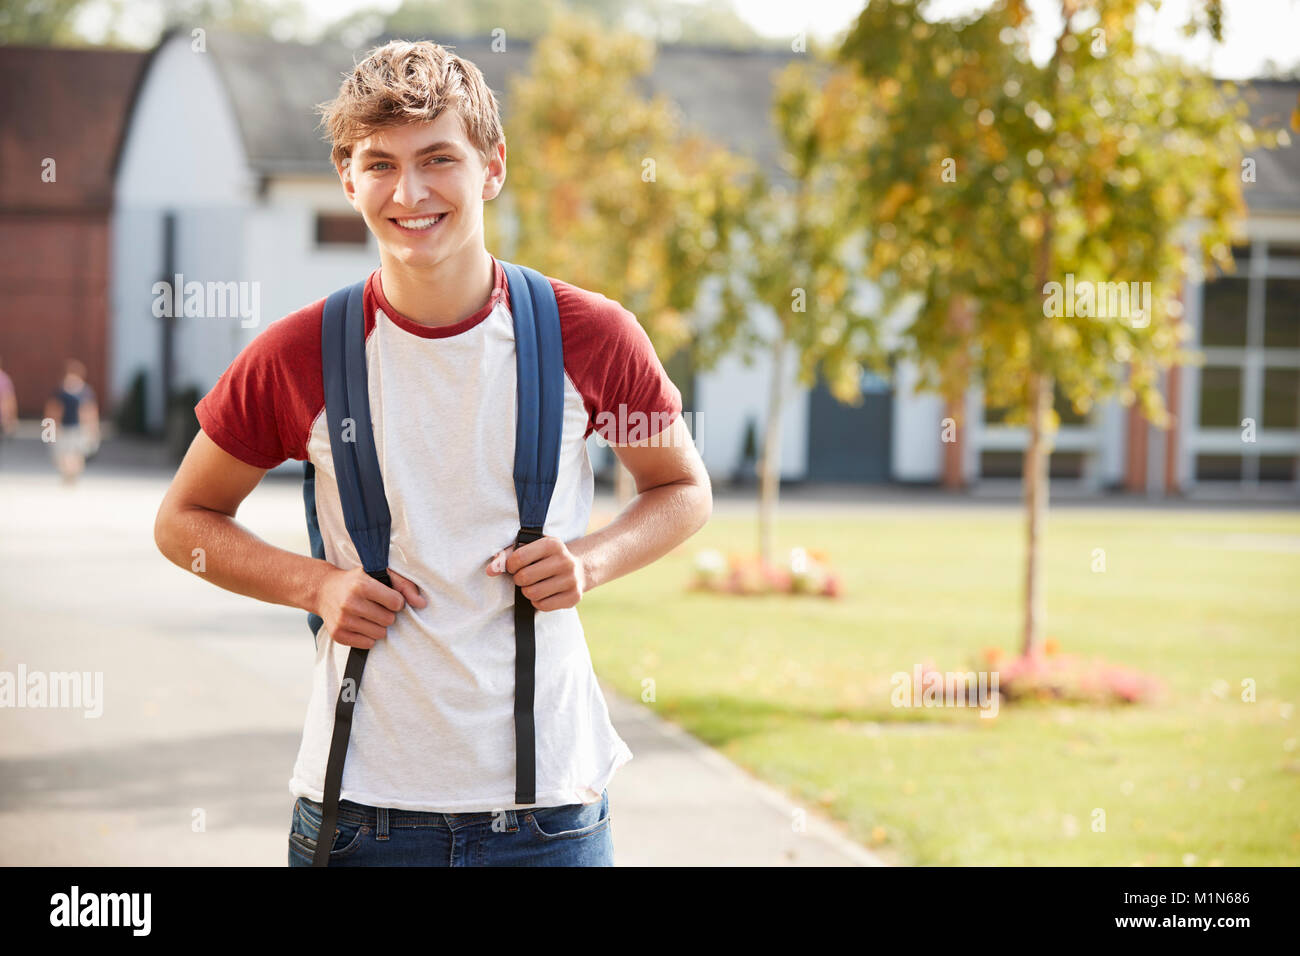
421	226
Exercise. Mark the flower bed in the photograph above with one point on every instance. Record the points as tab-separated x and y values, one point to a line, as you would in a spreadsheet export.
1069	678
806	572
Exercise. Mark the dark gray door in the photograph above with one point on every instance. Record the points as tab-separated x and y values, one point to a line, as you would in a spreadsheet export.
850	443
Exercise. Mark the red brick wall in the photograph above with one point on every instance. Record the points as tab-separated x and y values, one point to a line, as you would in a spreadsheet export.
54	279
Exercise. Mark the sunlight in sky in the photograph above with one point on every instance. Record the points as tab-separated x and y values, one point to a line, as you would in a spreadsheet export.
1255	30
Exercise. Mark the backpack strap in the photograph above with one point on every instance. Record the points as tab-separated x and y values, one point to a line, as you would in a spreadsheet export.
365	508
314	621
539	357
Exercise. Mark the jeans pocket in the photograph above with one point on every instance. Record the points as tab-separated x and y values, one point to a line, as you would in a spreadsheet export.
569	822
305	829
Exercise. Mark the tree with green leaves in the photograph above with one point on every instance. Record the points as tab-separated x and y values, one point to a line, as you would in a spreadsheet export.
37	22
988	182
55	22
612	192
791	291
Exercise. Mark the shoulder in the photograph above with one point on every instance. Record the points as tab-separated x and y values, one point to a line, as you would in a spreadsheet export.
296	336
590	323
262	407
609	357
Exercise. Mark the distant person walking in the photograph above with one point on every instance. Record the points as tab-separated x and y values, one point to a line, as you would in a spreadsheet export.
8	408
73	408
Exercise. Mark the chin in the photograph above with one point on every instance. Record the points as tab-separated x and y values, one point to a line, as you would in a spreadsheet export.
417	257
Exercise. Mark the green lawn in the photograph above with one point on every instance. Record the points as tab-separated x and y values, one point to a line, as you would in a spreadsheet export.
797	690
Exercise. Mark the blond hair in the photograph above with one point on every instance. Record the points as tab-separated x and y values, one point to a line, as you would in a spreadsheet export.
407	82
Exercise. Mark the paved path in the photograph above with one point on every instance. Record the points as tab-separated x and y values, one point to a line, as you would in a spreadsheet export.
204	693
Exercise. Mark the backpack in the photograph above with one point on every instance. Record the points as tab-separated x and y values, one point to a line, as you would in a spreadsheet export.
540	416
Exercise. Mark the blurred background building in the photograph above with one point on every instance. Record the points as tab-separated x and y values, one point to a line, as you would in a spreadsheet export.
209	164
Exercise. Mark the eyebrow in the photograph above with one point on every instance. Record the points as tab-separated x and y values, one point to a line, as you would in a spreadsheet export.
443	145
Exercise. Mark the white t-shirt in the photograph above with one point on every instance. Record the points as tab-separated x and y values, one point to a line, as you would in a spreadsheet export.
433	727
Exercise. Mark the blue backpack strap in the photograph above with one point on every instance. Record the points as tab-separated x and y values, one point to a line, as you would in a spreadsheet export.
314	538
347	403
539	356
365	508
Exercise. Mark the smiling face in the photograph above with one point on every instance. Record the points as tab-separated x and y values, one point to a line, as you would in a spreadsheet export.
420	188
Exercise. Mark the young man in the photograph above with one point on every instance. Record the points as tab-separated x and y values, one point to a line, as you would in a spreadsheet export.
430	769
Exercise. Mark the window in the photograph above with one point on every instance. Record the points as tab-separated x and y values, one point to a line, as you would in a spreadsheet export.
1000	464
1010	464
1223	319
1220	397
1282	313
340	229
1218	468
1065	464
1281	398
1277	468
1250	331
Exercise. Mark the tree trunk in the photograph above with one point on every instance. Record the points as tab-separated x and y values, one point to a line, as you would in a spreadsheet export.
770	469
961	323
1035	488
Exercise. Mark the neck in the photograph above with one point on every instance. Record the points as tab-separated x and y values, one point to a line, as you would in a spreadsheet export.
450	291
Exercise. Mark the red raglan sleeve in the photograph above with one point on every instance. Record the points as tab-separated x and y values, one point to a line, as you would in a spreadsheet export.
262	406
610	359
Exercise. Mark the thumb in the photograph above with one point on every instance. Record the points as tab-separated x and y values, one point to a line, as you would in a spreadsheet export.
498	563
407	588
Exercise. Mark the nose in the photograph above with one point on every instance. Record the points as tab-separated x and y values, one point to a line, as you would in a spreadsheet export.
410	190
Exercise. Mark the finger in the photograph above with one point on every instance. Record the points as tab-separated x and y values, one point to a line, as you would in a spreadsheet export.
556	602
548	567
373	622
390	598
545	588
408	589
532	551
497	564
353	639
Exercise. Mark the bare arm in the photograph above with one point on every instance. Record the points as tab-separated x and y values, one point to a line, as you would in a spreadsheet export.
198	512
674	500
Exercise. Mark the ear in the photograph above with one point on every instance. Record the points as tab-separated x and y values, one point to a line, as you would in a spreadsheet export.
344	169
494	175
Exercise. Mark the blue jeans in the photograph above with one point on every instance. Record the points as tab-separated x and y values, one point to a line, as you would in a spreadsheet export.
577	834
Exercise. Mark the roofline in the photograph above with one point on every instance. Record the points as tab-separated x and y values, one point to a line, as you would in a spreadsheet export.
1260	81
133	101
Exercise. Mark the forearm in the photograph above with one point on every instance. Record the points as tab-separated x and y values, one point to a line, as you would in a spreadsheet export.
654	522
218	549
